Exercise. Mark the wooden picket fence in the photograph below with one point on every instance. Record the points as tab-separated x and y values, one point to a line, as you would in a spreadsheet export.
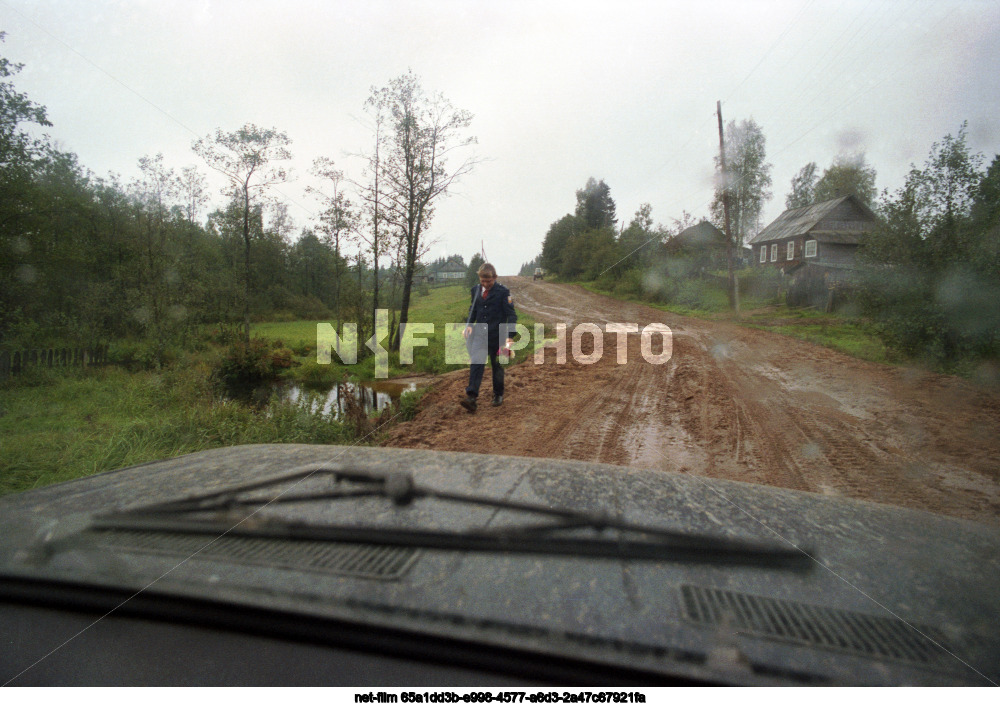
15	362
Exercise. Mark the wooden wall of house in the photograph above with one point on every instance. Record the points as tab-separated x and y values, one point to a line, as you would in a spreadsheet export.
782	261
838	253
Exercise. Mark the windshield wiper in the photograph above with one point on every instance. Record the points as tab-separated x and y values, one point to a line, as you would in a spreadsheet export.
631	541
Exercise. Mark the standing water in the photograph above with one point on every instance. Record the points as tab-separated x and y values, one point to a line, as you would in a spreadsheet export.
371	395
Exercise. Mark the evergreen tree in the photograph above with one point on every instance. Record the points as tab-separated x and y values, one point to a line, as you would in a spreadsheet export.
472	273
594	205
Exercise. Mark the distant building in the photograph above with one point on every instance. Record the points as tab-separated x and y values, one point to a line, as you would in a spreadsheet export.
702	236
702	245
451	271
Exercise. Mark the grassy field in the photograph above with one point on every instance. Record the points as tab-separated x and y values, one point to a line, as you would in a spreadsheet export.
441	306
63	424
848	334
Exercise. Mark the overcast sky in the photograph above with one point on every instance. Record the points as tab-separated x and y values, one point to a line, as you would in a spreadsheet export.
561	91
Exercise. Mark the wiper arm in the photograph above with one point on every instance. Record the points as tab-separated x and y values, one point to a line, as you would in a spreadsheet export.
633	541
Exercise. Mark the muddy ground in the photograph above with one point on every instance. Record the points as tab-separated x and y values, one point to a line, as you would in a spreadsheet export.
731	403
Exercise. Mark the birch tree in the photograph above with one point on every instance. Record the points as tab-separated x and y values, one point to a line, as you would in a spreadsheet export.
372	226
153	194
748	178
339	218
422	135
803	188
247	158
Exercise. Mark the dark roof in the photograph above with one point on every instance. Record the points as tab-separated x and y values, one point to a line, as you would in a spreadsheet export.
451	266
700	235
803	221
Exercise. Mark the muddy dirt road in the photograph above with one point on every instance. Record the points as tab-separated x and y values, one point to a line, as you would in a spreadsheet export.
731	403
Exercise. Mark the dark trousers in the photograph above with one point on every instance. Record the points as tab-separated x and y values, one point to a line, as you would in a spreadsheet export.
476	371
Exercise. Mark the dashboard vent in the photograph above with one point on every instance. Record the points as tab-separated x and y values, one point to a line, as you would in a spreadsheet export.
363	561
818	626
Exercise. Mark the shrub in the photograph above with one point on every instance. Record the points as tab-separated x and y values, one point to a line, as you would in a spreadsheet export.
630	284
277	316
409	404
225	334
136	355
308	307
281	358
316	374
244	363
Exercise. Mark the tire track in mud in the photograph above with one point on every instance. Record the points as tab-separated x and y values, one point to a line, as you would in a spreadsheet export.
732	403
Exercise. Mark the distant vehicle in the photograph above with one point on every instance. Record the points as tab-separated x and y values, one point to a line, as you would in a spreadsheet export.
539	274
311	564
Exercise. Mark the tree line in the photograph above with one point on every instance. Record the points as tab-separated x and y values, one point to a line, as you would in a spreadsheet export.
931	280
928	276
85	258
585	244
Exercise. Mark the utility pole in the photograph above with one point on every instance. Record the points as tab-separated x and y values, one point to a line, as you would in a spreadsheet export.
734	290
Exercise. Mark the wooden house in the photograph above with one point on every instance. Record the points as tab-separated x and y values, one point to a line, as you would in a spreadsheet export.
702	236
816	246
702	245
824	236
451	271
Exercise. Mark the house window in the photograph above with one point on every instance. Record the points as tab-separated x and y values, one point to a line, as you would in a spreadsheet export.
774	252
791	250
763	254
810	249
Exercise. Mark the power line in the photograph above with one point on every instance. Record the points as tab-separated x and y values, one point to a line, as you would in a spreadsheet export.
830	116
698	131
771	48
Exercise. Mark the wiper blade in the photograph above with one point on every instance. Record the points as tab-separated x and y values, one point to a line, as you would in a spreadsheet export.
631	541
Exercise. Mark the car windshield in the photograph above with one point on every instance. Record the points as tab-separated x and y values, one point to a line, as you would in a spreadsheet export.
736	242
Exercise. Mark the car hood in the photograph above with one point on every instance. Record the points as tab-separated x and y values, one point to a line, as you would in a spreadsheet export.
890	596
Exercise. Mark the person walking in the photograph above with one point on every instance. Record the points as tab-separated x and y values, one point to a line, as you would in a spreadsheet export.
492	307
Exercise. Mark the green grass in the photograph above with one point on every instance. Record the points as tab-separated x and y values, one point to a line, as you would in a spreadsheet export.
441	306
65	424
62	424
848	334
294	335
709	301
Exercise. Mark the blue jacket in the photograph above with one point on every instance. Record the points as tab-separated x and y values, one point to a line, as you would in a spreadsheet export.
496	309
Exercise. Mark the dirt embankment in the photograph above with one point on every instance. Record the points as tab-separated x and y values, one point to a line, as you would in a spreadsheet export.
731	403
